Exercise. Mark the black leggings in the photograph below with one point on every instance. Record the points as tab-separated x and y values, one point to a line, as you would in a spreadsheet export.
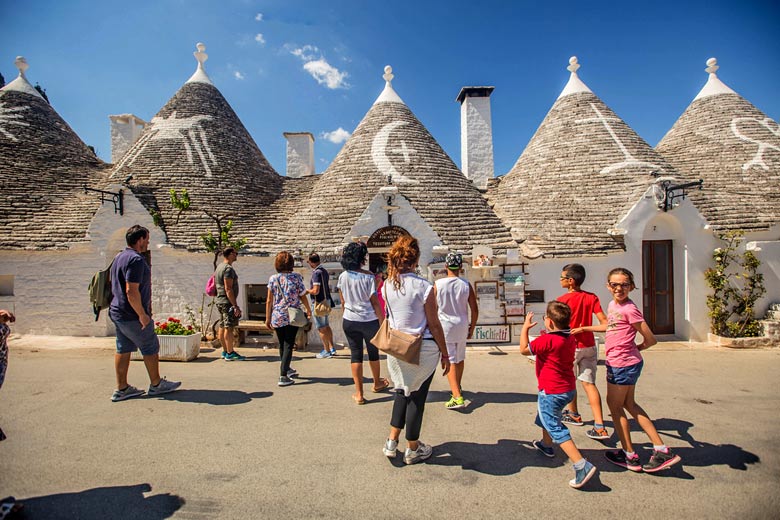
286	337
409	410
357	333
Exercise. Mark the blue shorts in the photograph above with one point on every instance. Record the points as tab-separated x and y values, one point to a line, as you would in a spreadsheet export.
130	336
549	409
320	322
624	376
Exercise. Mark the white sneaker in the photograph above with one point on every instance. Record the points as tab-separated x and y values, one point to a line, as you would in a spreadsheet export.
422	452
391	448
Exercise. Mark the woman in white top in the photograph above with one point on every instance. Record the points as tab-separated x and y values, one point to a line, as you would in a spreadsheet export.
411	308
362	316
454	297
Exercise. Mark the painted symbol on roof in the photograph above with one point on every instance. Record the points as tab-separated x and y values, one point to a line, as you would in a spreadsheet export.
10	116
630	160
188	130
379	153
763	132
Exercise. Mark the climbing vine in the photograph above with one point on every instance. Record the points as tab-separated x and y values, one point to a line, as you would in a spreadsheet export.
736	285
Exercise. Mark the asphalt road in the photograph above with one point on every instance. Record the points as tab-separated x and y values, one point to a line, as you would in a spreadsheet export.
232	444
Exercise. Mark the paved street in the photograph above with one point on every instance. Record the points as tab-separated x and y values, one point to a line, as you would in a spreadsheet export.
234	445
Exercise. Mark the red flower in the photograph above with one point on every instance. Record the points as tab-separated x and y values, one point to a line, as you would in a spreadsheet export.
164	326
189	327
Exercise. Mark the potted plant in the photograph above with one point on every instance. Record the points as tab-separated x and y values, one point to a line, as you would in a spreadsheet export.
178	342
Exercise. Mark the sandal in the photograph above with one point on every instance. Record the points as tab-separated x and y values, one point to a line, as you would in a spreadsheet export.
358	401
383	386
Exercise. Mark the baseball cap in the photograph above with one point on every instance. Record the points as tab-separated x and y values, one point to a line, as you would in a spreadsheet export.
454	260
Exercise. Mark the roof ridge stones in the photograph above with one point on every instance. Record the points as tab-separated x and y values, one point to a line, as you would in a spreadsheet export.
197	142
390	145
581	172
44	166
735	148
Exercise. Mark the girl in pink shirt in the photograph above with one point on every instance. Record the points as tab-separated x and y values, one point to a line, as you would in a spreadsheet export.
624	365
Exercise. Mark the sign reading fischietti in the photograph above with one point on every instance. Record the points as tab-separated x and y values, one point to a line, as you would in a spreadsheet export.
491	334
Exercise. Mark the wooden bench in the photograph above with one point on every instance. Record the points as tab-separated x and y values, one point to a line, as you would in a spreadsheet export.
245	326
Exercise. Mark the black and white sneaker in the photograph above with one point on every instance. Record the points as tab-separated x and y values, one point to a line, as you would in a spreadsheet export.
285	381
660	460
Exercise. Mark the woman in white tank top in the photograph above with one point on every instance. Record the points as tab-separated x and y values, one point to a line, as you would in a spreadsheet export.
455	297
411	308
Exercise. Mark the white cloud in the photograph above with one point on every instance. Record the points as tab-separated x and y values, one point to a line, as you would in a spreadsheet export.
319	68
237	74
336	136
260	39
259	17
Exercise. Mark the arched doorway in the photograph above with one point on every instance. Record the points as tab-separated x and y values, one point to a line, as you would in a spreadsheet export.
379	244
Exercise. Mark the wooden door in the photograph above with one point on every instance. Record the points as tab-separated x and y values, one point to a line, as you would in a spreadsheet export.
658	285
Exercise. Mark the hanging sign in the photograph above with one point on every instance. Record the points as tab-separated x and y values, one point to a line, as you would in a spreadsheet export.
386	236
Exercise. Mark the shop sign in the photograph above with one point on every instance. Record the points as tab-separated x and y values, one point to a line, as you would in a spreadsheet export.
386	236
490	334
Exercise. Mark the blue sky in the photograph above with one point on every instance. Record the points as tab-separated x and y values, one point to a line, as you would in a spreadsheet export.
316	66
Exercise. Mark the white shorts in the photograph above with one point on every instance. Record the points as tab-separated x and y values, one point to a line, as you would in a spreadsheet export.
457	352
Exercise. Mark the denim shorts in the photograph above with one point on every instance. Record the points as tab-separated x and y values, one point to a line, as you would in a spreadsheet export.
130	337
549	409
624	376
320	322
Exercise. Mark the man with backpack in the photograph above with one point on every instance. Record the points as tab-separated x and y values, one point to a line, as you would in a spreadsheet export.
131	312
226	280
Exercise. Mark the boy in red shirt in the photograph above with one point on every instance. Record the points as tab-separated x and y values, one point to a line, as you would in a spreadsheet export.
583	306
554	353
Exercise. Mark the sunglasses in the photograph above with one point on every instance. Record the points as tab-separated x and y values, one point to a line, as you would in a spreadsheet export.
615	285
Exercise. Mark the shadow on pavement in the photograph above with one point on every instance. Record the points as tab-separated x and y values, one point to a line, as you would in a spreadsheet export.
506	457
698	453
126	502
340	381
477	400
215	397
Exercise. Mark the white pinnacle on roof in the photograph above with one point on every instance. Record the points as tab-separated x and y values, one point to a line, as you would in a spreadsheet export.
200	75
575	84
714	85
21	84
388	95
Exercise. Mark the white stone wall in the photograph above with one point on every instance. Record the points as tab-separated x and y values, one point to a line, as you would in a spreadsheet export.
300	154
476	140
125	131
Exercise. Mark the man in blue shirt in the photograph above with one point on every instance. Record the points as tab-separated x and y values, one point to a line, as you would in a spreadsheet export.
131	312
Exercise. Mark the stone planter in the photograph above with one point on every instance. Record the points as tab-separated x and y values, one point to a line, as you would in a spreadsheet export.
176	348
760	342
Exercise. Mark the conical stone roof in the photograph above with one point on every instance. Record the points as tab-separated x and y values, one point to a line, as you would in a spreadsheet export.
43	169
582	171
390	143
735	148
197	142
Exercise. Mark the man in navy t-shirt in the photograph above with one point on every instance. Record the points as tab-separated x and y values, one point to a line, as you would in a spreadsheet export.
131	312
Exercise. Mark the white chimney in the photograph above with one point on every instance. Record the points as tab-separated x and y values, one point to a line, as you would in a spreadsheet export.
125	130
476	135
300	154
